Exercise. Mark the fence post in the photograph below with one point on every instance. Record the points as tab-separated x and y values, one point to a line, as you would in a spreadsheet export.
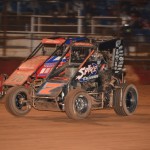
92	26
32	29
32	23
39	23
4	27
79	27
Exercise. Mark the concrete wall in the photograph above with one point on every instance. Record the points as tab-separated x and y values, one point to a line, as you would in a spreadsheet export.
8	65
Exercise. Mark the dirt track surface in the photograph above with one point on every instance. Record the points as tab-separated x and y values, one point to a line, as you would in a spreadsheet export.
103	130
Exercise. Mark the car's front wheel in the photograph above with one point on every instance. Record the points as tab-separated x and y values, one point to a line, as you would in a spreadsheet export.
17	101
78	104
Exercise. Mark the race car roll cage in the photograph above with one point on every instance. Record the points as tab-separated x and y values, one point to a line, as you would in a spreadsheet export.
101	46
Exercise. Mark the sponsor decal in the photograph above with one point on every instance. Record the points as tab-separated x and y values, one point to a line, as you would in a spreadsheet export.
50	63
45	70
83	44
119	57
49	87
87	73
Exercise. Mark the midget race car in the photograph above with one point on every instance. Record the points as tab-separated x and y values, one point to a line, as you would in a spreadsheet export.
80	75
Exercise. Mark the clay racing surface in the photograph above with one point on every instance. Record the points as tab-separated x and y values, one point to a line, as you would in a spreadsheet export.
45	130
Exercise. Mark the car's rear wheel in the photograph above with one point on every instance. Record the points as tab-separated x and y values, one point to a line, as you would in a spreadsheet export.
125	100
16	101
78	104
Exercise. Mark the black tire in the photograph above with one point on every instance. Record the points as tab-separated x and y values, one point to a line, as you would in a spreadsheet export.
126	105
78	104
13	102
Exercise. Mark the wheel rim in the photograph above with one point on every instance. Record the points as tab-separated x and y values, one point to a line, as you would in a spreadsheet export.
81	104
20	101
131	99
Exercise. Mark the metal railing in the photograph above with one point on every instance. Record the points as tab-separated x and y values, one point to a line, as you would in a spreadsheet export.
32	28
38	23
